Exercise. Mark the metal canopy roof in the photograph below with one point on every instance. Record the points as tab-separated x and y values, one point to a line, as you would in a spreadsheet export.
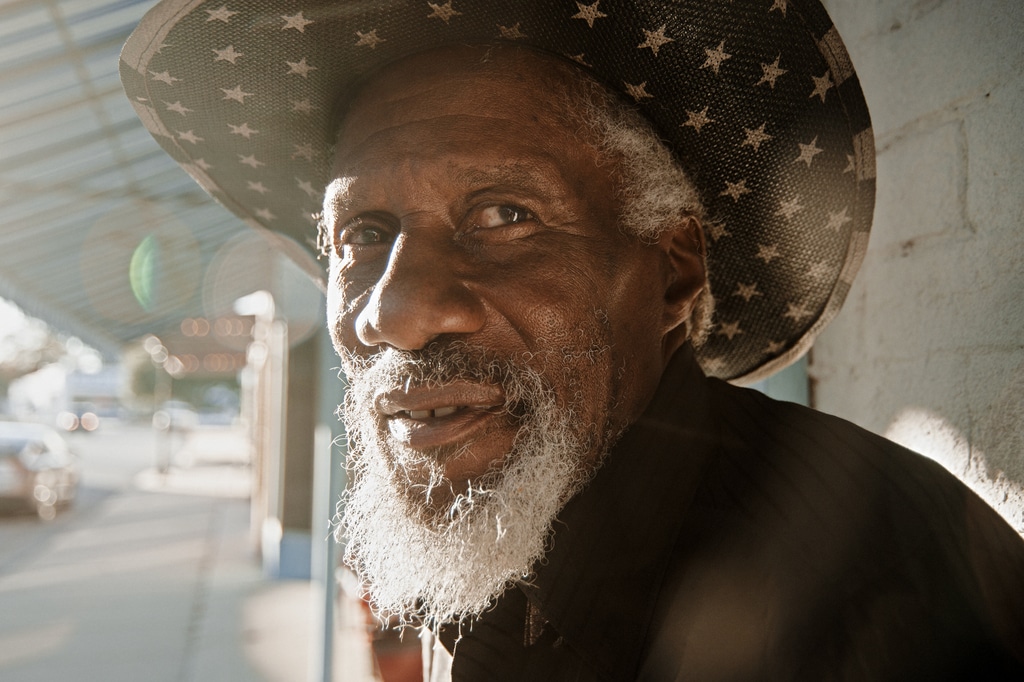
102	235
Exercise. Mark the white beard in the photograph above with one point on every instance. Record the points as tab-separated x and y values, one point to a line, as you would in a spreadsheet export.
424	552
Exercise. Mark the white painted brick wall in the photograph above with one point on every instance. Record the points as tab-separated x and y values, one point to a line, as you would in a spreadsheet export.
929	348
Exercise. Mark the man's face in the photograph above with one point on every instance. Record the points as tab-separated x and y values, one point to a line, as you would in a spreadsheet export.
497	328
466	209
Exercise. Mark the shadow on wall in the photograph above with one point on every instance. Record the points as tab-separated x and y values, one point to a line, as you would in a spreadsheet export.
931	435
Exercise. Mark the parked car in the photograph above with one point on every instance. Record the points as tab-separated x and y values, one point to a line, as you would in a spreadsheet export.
37	470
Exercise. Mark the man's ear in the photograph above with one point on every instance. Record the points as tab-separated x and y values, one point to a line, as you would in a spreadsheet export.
687	276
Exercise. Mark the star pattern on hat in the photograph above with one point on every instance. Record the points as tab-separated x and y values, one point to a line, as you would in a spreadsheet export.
746	291
819	270
697	119
714	365
797	312
512	32
164	77
201	163
370	39
443	12
302	106
220	14
837	219
755	136
789	208
770	73
775	347
767	252
307	187
236	93
177	107
300	67
250	160
257	186
729	329
228	54
822	85
266	214
589	13
304	151
189	136
716	231
735	189
638	92
716	57
244	130
296	21
808	151
655	39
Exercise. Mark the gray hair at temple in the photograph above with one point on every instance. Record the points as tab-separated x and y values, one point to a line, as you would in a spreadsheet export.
654	191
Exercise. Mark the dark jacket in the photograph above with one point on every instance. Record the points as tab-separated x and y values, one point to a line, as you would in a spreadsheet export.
729	536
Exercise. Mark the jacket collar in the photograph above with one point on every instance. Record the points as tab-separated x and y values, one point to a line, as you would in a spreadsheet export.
599	584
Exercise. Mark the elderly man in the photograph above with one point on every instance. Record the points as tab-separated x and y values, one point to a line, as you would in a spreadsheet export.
520	290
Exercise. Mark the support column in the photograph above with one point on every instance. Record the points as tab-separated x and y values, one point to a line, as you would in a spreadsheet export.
328	483
296	483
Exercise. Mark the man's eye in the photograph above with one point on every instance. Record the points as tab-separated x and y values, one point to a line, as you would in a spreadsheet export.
497	216
367	235
363	233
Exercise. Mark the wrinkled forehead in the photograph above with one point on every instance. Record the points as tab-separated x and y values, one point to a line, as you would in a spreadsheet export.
519	85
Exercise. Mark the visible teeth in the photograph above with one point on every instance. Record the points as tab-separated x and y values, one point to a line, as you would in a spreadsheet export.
427	414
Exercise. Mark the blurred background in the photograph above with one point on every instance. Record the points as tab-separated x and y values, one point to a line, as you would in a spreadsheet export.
169	459
165	381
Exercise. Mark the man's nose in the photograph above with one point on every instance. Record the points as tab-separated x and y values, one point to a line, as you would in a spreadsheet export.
418	298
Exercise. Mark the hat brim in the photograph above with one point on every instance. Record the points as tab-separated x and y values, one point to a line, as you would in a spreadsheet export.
757	100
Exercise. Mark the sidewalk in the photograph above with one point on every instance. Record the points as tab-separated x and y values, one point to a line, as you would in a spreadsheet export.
162	583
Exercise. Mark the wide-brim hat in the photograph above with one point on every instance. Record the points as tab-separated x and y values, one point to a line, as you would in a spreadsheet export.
757	99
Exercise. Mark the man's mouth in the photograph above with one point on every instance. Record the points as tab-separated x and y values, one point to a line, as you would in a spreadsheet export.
428	417
437	413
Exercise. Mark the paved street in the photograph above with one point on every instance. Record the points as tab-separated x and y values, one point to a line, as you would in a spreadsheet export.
154	578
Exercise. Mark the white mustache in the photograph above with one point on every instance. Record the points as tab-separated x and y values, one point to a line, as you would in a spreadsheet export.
440	364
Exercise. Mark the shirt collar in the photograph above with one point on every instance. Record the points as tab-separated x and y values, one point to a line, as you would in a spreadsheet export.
598	585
